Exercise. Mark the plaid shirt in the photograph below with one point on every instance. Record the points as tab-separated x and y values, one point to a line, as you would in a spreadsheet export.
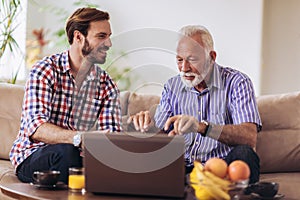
52	96
229	99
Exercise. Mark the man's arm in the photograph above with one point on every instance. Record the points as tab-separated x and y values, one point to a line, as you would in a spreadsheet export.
244	133
52	134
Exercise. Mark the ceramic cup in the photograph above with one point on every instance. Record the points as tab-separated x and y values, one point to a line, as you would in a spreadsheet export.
46	178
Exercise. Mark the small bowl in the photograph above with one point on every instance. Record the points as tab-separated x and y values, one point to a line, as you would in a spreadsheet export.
45	178
237	188
263	189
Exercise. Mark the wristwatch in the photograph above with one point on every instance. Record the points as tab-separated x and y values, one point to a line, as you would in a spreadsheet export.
207	129
77	139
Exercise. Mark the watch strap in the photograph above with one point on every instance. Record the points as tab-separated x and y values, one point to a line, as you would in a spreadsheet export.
207	129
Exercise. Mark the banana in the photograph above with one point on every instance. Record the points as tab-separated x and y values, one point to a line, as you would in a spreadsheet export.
205	192
219	181
194	177
198	166
218	193
208	186
202	193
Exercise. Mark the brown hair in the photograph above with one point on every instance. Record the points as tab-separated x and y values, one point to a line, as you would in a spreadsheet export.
80	20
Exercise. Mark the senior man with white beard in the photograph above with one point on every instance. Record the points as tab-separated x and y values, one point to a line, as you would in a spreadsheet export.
213	107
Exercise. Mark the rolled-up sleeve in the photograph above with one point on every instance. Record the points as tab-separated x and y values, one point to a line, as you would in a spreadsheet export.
38	95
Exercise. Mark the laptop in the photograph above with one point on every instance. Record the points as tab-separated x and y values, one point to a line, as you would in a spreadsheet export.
134	164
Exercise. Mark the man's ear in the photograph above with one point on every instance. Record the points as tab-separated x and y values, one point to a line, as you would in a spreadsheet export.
78	37
213	55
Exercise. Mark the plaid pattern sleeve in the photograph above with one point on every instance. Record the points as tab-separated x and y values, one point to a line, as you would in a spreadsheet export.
36	110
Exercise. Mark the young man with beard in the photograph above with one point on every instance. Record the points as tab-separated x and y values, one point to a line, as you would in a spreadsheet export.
67	93
213	107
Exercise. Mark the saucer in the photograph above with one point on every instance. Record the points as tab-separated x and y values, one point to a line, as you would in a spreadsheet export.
276	197
57	186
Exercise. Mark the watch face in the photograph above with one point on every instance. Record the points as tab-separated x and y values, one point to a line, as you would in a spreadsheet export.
76	140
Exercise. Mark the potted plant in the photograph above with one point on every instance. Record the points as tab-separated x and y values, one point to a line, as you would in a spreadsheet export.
9	10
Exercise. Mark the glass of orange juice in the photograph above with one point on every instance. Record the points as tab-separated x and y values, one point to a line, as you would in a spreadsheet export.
76	179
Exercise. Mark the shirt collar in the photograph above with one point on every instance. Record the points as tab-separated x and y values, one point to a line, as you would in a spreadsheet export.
65	62
215	81
66	67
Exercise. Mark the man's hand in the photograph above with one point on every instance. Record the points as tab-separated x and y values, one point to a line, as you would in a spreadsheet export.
141	121
182	124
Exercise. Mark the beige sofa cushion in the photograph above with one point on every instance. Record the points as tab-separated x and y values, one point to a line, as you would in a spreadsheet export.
280	111
124	96
10	114
279	150
141	102
278	143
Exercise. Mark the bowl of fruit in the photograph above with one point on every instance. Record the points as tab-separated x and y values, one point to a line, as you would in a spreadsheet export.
217	180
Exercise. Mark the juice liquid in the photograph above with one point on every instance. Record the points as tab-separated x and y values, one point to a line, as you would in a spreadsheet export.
76	182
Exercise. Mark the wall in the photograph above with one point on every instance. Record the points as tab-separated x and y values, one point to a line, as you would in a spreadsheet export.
235	25
281	47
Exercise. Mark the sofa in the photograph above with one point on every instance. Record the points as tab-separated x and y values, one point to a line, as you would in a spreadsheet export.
278	144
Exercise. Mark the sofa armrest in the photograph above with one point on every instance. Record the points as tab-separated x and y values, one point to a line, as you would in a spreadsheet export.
278	142
11	98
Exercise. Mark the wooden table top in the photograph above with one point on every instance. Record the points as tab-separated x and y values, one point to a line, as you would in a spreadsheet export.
30	192
27	191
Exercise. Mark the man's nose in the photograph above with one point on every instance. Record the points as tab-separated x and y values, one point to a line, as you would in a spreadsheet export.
107	42
185	66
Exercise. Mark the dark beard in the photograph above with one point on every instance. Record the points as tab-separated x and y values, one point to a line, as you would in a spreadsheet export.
86	50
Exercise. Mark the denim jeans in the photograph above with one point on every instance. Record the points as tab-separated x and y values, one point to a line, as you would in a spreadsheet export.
248	155
51	157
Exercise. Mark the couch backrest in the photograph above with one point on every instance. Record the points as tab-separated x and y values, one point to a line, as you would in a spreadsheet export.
278	144
141	102
134	103
11	98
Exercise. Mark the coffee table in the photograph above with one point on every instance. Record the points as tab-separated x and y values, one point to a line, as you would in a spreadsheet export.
26	191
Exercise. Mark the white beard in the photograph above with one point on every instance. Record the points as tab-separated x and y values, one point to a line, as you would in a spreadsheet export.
198	78
196	81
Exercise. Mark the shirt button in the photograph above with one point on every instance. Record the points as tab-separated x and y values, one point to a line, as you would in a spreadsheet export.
197	143
199	112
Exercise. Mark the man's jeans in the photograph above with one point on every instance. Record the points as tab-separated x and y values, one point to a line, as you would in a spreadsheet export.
51	157
248	155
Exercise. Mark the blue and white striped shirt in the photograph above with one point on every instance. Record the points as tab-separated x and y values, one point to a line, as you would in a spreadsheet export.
229	99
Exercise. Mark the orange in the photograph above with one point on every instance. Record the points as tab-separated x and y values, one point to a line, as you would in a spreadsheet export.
238	170
217	166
